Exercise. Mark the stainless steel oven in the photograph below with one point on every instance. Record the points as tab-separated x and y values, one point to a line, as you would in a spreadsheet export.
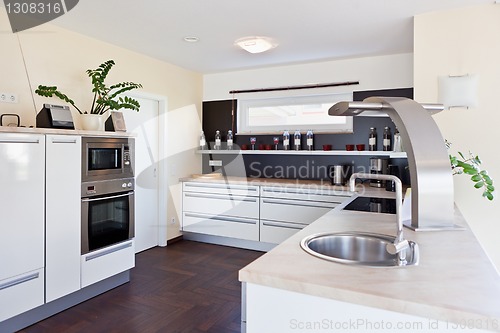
107	158
107	213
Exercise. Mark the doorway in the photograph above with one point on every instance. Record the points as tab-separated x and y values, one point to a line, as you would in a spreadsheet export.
149	126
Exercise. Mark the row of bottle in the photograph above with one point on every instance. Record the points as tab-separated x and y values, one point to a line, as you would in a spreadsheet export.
388	142
297	140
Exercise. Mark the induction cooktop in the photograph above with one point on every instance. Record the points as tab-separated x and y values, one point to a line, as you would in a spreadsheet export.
373	205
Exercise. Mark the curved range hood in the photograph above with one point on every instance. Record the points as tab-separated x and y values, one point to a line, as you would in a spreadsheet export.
432	198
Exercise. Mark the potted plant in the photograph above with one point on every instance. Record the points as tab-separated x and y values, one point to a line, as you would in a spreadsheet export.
105	97
471	166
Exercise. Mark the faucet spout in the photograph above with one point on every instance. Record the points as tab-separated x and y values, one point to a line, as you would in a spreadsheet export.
400	244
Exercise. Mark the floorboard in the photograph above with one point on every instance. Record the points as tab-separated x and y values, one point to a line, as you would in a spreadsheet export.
186	287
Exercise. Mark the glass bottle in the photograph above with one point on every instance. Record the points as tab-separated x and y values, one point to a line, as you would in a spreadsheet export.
286	140
276	141
387	141
398	147
372	139
230	140
310	137
217	140
203	141
296	140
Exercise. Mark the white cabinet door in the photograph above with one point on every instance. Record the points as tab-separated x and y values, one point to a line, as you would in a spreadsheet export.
63	215
106	262
22	178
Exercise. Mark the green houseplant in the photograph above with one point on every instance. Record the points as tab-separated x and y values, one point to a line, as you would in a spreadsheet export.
471	166
105	97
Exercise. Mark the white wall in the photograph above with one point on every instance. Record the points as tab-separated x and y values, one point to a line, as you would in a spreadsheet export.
455	43
55	56
392	71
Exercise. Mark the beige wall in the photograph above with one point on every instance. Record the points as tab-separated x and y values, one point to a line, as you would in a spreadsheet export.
59	57
382	72
454	43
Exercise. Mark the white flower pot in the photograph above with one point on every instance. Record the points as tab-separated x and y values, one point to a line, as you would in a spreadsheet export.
92	122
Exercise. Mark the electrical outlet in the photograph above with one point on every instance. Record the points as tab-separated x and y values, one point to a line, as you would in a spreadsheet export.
215	163
172	221
8	97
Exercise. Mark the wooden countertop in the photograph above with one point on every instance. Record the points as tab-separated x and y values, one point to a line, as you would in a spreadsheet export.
55	131
455	280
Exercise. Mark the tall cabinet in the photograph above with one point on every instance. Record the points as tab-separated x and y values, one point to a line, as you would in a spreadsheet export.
63	215
22	179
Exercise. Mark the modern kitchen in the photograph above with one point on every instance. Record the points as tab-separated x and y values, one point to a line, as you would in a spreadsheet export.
355	172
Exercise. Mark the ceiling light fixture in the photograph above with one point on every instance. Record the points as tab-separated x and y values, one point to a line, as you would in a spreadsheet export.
256	44
191	39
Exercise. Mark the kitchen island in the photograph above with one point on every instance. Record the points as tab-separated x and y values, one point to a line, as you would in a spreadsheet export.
455	287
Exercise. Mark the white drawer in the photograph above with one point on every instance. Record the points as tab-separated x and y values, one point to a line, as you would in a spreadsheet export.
101	264
220	204
276	232
226	226
299	193
296	211
21	293
216	188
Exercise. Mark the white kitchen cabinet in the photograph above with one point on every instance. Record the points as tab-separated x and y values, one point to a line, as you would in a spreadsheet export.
106	262
286	210
63	215
22	176
221	210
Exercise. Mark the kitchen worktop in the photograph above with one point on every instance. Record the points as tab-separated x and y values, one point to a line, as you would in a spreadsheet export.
55	131
455	280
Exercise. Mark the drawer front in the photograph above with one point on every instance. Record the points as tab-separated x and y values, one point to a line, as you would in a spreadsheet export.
104	263
276	232
226	226
219	204
295	211
297	193
216	188
21	293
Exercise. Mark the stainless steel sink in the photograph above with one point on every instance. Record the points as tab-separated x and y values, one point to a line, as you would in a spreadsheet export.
358	248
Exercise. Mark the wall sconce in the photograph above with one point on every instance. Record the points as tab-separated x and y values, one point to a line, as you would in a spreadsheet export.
458	91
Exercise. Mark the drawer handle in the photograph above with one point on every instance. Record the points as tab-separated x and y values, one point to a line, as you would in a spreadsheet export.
20	141
106	252
296	204
223	186
20	280
63	141
305	192
283	225
221	197
222	218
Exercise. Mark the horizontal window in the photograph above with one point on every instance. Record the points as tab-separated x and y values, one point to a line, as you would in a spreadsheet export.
274	115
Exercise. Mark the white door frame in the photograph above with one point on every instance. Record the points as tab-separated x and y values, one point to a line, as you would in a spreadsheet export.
162	165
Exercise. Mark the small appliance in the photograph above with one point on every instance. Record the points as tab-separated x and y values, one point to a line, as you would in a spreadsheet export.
339	174
378	166
55	116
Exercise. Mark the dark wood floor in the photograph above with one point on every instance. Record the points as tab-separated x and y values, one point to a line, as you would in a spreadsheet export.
186	287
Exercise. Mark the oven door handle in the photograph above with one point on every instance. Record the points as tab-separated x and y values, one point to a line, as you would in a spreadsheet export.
110	197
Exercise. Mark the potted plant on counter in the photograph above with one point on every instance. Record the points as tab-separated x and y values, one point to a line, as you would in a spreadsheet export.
105	97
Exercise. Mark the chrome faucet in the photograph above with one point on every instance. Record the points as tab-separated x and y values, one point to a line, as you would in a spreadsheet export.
400	244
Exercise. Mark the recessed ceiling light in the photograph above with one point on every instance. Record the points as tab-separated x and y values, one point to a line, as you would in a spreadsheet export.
191	39
255	44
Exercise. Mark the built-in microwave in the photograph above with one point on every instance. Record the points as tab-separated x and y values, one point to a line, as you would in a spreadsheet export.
106	158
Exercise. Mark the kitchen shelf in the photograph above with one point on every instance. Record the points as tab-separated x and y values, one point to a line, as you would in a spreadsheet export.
390	154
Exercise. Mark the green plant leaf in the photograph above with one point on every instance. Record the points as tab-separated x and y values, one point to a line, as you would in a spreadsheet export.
479	184
490	188
461	155
488	195
476	178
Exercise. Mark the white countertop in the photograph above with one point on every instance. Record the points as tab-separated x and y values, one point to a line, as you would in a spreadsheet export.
55	131
454	280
